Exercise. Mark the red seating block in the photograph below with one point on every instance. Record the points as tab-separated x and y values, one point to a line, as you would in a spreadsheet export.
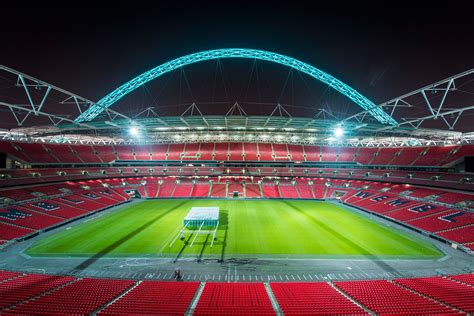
318	298
234	299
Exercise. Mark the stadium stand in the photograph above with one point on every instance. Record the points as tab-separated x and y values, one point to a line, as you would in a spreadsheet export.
234	299
288	191
455	294
463	278
25	287
142	152
221	151
384	297
159	152
45	294
200	190
81	297
154	298
252	190
313	298
251	152
403	156
270	190
9	231
183	190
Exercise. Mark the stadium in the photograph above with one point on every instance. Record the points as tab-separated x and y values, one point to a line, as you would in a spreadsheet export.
127	205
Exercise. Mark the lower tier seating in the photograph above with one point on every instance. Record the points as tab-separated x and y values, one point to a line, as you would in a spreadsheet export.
384	297
154	298
35	294
83	296
234	299
458	295
298	298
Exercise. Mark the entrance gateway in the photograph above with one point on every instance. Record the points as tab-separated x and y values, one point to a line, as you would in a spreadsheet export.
200	221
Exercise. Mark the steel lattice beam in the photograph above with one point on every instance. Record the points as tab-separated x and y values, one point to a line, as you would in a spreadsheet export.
436	109
29	108
107	101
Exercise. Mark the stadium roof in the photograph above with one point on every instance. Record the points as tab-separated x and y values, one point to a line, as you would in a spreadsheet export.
428	115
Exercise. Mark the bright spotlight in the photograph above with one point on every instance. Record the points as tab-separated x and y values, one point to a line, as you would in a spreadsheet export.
133	131
338	132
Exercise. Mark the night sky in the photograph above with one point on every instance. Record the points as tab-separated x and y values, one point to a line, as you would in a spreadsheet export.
381	50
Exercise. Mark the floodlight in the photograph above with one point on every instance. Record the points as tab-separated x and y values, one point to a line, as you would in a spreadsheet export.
338	131
134	131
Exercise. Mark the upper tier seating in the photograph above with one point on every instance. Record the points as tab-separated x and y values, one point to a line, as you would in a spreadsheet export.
403	156
221	151
124	152
63	153
159	152
296	152
105	153
329	154
280	152
433	156
234	299
265	151
175	151
251	152
406	156
142	152
86	154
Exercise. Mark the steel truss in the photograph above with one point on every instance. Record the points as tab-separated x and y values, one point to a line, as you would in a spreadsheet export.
110	99
36	98
430	103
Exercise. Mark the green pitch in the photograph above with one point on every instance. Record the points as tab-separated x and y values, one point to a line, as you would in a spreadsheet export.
249	228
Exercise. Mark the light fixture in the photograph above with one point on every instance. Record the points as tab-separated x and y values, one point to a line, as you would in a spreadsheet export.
133	131
338	131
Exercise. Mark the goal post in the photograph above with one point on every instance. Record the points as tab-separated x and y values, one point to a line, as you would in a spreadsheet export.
200	221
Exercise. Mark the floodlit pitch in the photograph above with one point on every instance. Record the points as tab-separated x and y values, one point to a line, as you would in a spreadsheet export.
247	228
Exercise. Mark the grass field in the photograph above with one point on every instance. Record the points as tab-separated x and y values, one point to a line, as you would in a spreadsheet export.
248	229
